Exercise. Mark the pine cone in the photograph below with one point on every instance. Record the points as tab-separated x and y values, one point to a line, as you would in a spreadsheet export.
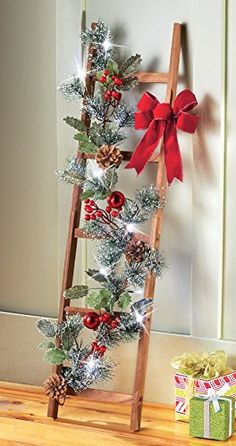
55	387
107	156
135	251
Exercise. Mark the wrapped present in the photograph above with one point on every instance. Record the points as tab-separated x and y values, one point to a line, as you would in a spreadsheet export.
212	416
199	372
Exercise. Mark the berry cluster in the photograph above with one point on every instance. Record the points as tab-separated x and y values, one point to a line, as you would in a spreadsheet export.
100	349
111	83
92	320
115	203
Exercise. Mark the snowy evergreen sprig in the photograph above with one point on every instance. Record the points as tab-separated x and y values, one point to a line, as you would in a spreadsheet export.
73	173
72	89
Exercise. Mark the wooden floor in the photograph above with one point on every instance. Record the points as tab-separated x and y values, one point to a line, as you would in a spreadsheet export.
23	421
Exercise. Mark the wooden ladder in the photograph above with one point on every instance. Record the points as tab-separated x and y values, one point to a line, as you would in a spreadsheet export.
136	398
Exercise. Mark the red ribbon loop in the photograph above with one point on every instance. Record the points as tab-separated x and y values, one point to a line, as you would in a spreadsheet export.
162	120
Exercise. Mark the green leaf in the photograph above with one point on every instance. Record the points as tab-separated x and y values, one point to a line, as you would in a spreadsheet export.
112	66
46	345
124	300
85	145
128	83
96	275
130	65
99	73
87	194
100	299
77	124
54	356
76	292
47	328
110	177
67	341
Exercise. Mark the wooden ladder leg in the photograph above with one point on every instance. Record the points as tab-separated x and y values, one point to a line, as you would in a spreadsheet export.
67	276
161	184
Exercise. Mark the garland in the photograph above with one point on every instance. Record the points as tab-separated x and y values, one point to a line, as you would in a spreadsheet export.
123	259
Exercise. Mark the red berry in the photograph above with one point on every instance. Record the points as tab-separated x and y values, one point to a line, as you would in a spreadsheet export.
109	92
88	209
93	217
102	349
113	93
118	81
106	97
101	319
87	201
114	213
87	217
108	209
113	77
94	345
106	317
118	96
114	324
103	79
99	213
92	203
106	72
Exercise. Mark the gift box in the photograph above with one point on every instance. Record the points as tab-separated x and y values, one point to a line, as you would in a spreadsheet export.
188	384
212	419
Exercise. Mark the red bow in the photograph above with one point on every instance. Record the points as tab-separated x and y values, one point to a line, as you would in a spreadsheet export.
162	120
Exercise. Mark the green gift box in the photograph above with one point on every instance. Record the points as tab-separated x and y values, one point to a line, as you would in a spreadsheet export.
211	417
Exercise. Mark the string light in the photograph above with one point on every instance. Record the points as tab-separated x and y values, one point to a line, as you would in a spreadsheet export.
130	227
106	45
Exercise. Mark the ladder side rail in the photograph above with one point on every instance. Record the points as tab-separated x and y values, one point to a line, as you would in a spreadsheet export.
161	184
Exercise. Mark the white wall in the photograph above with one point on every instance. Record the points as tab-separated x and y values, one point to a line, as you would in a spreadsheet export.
196	297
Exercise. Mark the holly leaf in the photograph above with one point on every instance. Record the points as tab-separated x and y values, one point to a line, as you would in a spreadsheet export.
124	300
96	275
85	145
46	345
99	74
130	65
110	177
128	83
67	341
77	124
98	300
54	356
47	328
112	66
76	292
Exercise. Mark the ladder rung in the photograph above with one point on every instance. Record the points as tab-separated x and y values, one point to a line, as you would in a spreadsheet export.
105	396
76	310
146	77
80	233
126	156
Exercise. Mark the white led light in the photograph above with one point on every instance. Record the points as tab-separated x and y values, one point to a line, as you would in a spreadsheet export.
90	364
106	45
130	227
103	271
98	173
139	317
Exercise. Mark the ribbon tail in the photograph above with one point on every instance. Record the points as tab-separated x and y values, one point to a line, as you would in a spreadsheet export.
172	154
146	146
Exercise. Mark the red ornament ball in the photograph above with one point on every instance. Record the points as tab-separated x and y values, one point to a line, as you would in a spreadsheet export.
92	217
87	217
91	320
116	199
